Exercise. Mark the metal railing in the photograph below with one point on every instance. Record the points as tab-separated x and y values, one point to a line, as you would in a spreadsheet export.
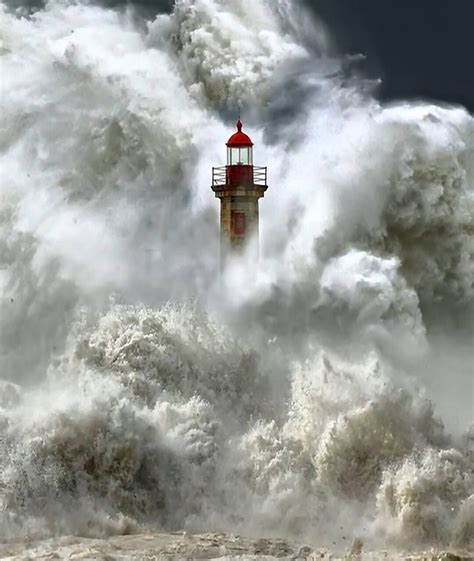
219	176
222	175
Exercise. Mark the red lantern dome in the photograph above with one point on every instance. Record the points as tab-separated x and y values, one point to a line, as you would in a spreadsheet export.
239	138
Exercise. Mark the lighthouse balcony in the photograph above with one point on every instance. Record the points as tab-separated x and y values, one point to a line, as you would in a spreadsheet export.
239	176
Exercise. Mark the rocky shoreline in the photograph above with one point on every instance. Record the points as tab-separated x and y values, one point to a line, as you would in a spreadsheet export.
183	546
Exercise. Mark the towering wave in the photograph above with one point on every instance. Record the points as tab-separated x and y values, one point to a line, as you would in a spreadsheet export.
308	400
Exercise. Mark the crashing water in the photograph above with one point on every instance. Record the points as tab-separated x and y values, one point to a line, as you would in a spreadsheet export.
327	395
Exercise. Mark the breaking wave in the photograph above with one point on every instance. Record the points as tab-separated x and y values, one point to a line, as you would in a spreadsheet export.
137	391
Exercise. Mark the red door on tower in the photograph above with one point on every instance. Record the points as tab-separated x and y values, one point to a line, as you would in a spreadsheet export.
238	222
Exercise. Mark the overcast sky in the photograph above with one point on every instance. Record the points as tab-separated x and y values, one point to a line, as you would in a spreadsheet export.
420	48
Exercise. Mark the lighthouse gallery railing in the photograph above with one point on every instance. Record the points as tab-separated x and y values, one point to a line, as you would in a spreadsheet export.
220	175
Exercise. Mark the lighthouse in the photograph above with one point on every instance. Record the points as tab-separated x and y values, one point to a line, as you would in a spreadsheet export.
239	185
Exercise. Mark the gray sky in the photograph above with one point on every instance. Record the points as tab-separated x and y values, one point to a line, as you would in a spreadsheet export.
420	48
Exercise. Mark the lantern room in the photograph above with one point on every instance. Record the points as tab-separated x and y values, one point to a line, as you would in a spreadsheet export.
239	148
240	170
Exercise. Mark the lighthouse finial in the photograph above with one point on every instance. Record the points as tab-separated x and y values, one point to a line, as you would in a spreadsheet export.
239	124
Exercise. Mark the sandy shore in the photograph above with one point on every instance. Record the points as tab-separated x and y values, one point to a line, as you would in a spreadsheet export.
182	546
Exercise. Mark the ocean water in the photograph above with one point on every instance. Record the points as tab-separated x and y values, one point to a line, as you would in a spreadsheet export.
324	394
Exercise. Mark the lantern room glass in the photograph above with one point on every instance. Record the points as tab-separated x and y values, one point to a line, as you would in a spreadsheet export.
240	155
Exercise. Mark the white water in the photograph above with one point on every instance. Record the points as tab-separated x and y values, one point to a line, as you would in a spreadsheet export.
307	400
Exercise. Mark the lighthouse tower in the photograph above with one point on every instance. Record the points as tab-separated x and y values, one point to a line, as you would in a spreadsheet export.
239	185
